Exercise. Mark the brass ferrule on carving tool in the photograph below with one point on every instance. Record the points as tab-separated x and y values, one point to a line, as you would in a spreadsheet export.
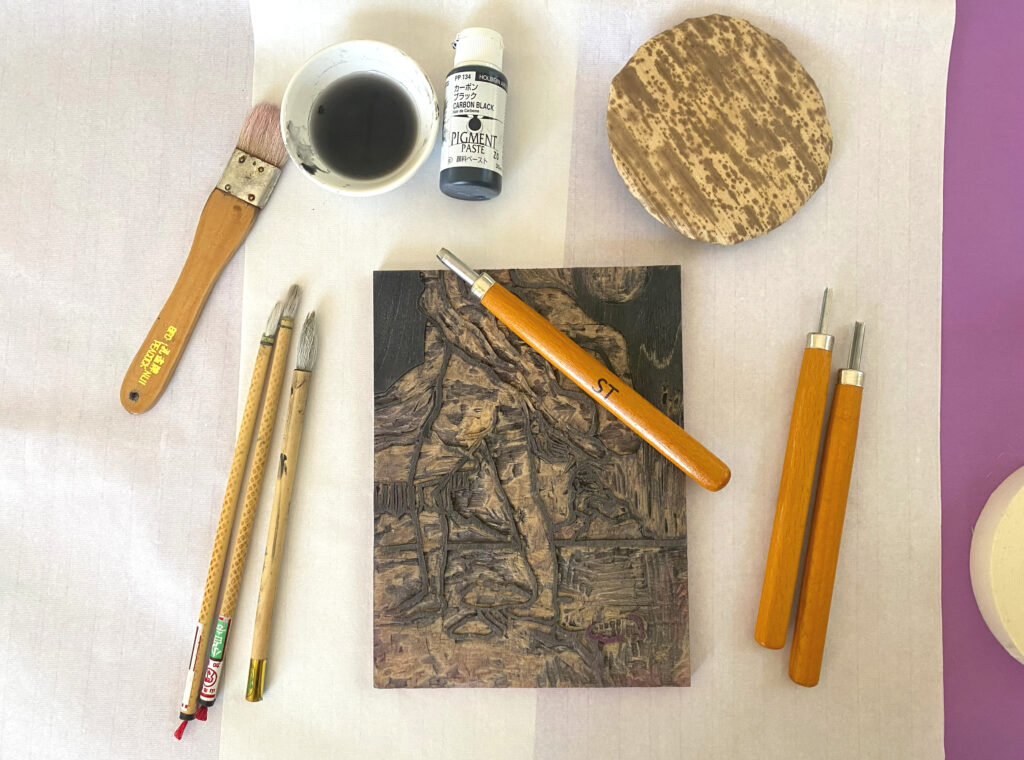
594	378
249	179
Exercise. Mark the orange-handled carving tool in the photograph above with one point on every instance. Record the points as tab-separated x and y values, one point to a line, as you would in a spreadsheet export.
594	378
827	521
795	486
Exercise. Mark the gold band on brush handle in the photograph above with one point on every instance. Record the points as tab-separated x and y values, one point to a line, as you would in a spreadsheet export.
257	677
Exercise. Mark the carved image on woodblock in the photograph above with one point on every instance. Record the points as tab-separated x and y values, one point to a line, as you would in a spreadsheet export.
522	535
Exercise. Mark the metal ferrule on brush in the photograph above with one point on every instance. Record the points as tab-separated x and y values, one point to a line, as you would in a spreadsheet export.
479	283
249	179
821	339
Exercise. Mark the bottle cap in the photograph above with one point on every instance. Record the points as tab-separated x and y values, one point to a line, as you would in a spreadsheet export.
480	46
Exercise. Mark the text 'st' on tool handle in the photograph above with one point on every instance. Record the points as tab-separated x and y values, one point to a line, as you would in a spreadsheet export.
642	417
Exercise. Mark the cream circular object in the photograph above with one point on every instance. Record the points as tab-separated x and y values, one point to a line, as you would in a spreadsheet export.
718	130
997	563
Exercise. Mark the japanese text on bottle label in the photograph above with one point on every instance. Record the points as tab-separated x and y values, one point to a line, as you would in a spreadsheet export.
474	121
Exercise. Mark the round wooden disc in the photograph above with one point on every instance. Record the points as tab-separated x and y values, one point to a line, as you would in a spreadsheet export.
718	130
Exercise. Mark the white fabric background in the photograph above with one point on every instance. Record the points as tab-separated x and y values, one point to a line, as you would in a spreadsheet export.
873	232
116	119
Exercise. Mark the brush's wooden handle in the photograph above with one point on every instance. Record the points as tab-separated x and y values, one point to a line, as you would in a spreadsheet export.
236	565
608	390
794	499
256	470
278	523
224	524
826	533
240	550
222	227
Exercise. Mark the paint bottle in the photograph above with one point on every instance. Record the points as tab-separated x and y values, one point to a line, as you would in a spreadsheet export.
473	133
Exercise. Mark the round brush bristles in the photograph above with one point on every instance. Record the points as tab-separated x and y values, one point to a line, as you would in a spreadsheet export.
308	344
261	135
291	302
273	320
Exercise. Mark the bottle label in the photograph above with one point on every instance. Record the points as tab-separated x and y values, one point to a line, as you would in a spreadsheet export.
474	121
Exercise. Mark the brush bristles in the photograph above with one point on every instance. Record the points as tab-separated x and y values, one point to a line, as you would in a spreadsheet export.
291	302
273	320
261	135
308	344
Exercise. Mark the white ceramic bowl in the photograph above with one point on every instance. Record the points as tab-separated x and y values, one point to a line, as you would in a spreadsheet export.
328	66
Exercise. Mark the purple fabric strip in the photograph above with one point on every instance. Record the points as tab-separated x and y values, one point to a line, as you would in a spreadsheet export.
982	357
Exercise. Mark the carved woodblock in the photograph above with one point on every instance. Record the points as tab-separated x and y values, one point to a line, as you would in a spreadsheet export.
718	130
524	536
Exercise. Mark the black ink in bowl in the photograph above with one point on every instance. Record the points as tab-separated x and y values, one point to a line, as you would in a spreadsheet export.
363	126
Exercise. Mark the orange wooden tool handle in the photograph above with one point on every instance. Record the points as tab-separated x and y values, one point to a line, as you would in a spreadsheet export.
826	532
607	389
222	227
794	499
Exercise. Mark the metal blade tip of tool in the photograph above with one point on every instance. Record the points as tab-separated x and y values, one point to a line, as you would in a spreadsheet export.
826	307
857	349
458	266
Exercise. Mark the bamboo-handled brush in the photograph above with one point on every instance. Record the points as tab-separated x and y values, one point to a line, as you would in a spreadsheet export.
243	189
795	486
827	521
282	503
227	510
240	550
595	379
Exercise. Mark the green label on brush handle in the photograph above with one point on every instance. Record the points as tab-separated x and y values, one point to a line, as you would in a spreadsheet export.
220	635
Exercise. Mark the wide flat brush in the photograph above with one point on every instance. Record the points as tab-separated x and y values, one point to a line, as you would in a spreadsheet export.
230	211
595	379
